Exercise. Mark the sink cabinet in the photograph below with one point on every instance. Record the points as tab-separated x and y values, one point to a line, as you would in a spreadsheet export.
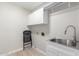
54	49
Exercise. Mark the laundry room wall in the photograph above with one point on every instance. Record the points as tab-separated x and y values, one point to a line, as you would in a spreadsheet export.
13	21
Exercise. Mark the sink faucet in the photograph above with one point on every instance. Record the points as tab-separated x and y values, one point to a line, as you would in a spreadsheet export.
74	41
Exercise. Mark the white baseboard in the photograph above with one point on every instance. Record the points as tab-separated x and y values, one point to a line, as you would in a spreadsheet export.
20	49
11	52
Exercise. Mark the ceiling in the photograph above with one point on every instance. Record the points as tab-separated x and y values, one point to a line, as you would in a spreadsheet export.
30	6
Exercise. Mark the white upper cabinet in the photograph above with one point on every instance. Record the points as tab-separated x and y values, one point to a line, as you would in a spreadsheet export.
38	17
41	15
61	6
58	7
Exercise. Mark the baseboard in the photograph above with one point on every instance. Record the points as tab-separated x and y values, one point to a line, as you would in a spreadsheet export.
20	49
11	52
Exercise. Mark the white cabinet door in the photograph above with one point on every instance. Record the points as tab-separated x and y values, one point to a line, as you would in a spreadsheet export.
51	51
58	50
36	17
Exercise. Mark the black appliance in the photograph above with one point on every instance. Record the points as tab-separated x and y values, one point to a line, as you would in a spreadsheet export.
27	40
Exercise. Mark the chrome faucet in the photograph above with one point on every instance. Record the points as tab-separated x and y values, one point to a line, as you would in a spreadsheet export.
74	41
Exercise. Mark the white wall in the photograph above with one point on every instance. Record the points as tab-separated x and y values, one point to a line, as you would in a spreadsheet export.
13	20
58	24
39	41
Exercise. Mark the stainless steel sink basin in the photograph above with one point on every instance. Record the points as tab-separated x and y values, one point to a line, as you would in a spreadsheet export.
63	42
69	43
60	41
53	40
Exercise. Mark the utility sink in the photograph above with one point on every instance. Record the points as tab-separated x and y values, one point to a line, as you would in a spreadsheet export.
65	42
60	41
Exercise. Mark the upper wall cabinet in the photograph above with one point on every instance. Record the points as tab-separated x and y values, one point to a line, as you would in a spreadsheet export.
40	16
60	6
